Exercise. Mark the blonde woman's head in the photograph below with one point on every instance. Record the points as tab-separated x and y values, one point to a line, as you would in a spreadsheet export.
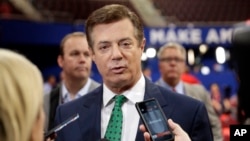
21	113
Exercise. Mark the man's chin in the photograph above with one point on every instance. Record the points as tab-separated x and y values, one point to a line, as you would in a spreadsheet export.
120	80
171	77
81	77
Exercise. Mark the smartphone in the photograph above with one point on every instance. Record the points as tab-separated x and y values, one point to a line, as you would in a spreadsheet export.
59	127
154	120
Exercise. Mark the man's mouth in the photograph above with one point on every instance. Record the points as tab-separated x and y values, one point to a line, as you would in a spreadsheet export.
81	68
118	69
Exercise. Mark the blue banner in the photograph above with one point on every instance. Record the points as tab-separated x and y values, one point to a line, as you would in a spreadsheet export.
18	31
190	36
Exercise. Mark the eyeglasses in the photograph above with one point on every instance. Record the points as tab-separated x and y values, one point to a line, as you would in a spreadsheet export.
170	59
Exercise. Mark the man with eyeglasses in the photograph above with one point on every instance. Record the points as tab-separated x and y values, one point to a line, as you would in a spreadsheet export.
172	63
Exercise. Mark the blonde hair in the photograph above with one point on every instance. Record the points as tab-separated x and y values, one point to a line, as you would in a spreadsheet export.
20	96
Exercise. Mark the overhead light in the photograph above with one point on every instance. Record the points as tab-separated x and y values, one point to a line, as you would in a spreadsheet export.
151	52
220	55
205	70
203	48
191	57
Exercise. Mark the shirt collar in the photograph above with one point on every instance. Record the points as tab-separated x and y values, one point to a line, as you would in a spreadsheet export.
134	94
81	92
179	87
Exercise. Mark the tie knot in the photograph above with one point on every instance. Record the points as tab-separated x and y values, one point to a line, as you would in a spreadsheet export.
119	100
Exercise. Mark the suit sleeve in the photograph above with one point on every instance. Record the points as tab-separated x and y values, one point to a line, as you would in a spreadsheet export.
201	129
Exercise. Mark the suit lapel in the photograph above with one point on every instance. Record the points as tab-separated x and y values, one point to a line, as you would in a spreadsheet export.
54	102
90	113
153	91
90	110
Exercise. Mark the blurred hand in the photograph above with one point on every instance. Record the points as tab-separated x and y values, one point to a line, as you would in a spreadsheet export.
179	133
51	138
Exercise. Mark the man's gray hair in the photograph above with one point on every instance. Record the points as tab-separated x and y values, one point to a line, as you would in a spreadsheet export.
172	45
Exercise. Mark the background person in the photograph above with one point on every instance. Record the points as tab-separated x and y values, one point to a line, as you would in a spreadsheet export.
21	98
49	84
172	64
76	62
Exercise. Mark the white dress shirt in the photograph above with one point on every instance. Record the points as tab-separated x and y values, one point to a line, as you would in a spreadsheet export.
66	95
130	115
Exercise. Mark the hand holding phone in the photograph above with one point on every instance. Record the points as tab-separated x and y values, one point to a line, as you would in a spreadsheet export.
52	133
154	120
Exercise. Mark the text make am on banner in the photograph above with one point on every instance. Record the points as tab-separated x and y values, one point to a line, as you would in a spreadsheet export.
189	36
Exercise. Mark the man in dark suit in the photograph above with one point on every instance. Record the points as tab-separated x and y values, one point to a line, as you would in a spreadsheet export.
172	64
75	61
115	36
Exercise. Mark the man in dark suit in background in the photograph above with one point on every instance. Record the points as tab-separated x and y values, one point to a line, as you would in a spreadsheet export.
75	61
115	36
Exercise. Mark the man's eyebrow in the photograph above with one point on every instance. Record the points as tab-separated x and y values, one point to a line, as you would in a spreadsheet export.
124	39
74	50
120	40
103	42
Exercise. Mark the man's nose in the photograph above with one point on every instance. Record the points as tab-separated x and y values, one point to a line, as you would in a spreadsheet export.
116	52
82	58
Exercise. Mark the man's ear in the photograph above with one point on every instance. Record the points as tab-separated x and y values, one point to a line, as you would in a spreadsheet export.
60	60
143	43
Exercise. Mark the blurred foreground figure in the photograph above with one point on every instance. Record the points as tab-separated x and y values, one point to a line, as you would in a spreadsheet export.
241	49
21	99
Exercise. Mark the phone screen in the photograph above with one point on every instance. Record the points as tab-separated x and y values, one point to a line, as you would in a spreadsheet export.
154	120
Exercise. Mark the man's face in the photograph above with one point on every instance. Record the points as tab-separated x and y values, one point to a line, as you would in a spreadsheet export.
117	53
76	61
171	64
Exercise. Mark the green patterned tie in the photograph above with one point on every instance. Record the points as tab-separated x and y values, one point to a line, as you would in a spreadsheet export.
114	129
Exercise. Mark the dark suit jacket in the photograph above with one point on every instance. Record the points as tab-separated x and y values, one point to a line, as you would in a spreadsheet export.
198	91
53	99
191	114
